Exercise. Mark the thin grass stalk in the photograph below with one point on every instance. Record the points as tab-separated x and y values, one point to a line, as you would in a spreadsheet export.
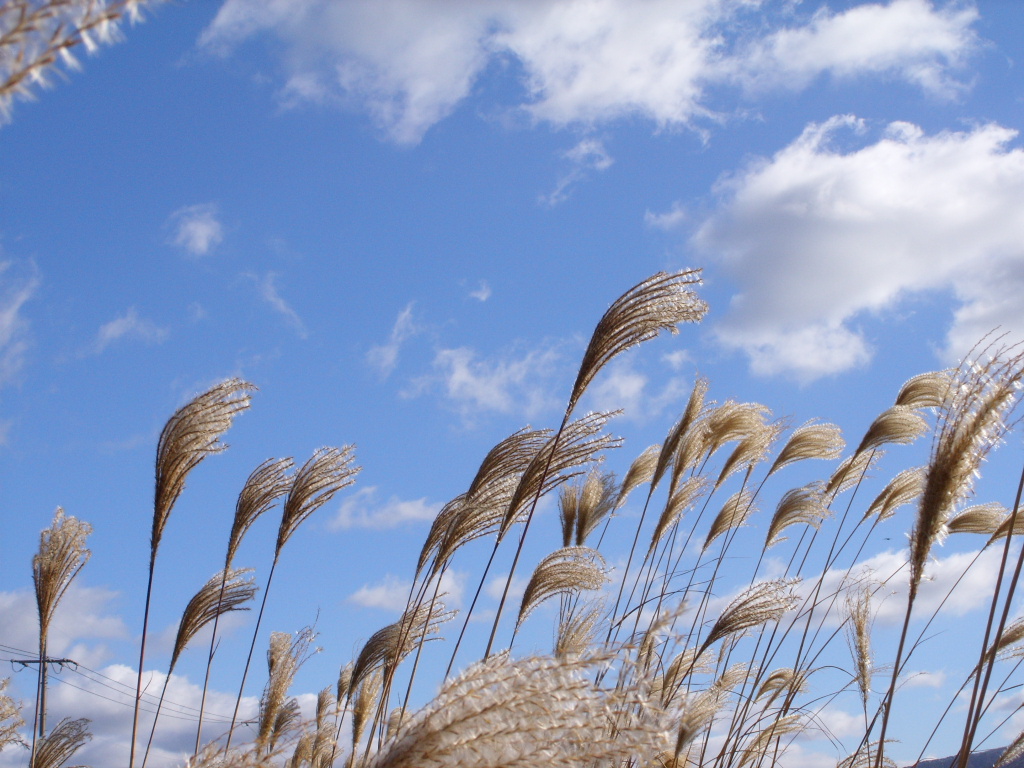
977	696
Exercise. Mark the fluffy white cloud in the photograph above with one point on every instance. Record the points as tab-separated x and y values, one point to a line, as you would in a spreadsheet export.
409	63
197	229
909	39
385	356
482	291
513	382
128	326
621	386
817	236
363	510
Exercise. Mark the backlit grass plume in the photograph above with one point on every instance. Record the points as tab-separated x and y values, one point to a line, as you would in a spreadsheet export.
66	738
190	435
62	554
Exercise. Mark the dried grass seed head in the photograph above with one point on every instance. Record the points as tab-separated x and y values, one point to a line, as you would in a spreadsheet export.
10	717
759	745
926	390
388	646
810	441
326	472
805	505
190	435
640	471
734	513
62	554
751	450
66	738
264	486
562	458
285	656
900	425
858	638
973	420
691	416
566	571
226	591
685	497
596	502
758	604
659	303
577	629
987	519
851	471
903	489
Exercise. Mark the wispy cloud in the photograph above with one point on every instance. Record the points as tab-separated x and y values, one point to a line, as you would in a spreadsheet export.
516	381
129	326
589	155
482	292
384	357
392	592
197	229
15	292
268	291
364	509
667	220
815	237
622	386
410	64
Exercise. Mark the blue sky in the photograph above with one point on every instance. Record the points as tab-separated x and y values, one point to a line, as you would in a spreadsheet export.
401	221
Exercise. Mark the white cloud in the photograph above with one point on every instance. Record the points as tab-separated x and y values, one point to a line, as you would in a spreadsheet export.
385	356
588	155
513	382
196	228
410	63
621	386
392	593
815	237
908	39
14	341
482	292
363	510
83	614
270	294
128	326
667	220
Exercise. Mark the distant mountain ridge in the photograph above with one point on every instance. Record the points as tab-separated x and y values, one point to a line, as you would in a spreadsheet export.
986	759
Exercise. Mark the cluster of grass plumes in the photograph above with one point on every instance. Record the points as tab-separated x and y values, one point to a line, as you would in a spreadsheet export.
742	619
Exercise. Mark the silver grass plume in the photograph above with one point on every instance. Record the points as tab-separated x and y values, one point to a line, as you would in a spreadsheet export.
851	471
866	758
480	510
344	687
562	457
525	712
387	647
595	503
810	441
926	390
566	571
10	717
973	420
799	506
903	489
322	739
758	604
734	513
899	424
760	744
683	498
36	36
784	680
288	720
209	603
577	629
264	486
858	638
989	519
190	435
731	422
303	752
1004	527
700	708
692	415
659	303
640	471
1006	646
62	554
284	658
1012	752
684	665
66	738
751	450
326	472
364	702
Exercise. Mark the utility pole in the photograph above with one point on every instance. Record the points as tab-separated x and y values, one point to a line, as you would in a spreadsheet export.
41	694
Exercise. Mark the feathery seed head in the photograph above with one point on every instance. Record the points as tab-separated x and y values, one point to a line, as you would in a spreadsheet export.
566	571
734	513
899	424
640	471
190	435
326	472
62	554
926	390
903	489
989	519
804	505
758	604
267	483
683	498
226	591
810	441
66	738
659	303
